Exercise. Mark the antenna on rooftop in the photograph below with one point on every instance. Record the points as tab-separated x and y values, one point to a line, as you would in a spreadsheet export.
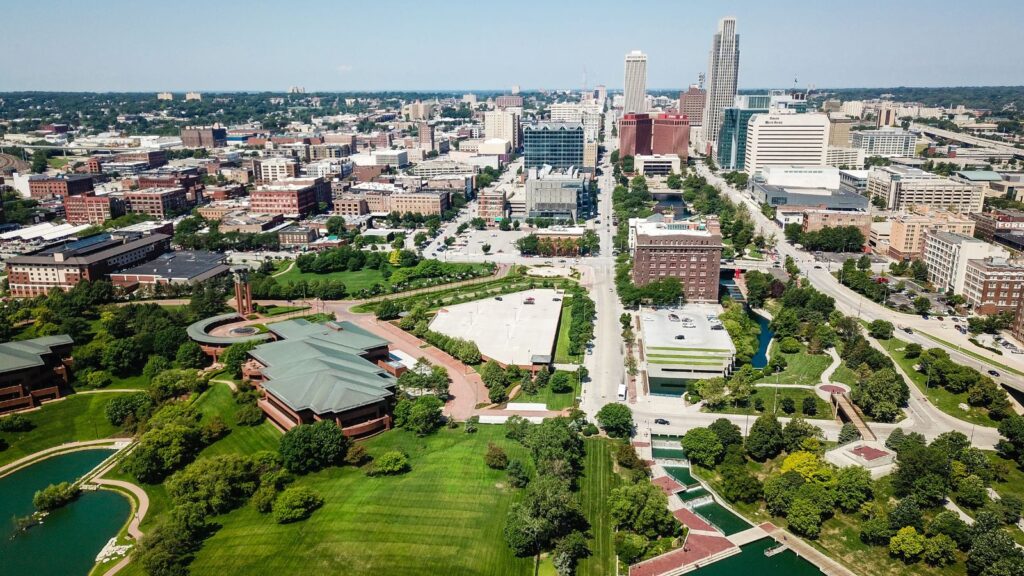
700	81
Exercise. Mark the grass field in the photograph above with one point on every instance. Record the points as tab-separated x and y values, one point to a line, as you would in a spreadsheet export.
801	368
771	396
242	439
553	400
943	399
354	281
844	375
443	517
77	417
562	355
279	310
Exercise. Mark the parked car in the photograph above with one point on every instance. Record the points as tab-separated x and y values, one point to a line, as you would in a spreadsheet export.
661	421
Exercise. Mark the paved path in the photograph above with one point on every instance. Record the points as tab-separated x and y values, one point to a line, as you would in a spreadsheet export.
285	271
109	391
828	566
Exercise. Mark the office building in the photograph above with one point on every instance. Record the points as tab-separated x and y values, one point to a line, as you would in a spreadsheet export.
418	110
657	164
425	135
635	135
160	203
785	139
178	267
816	219
908	230
45	187
732	135
691	104
635	83
273	169
33	371
560	194
558	145
839	130
586	113
204	137
689	250
590	149
993	285
285	199
988	224
491	205
845	158
91	209
886	115
946	254
88	259
435	168
723	71
886	142
670	134
903	187
503	124
508	101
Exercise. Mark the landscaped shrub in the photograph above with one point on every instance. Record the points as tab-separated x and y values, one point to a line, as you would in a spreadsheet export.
135	407
789	345
517	474
296	503
15	423
496	457
390	463
357	456
249	415
309	447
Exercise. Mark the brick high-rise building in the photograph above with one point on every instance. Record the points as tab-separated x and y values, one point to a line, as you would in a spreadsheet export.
670	134
634	135
687	250
691	104
993	285
425	136
204	137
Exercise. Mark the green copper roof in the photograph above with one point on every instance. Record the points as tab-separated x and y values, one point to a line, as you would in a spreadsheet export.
23	354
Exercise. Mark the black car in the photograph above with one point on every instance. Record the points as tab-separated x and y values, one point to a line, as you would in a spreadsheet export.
993	373
661	421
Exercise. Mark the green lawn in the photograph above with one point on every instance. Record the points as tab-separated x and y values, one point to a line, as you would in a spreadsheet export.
943	399
844	375
772	395
801	368
562	355
57	162
443	517
242	439
77	417
354	281
279	310
597	484
553	400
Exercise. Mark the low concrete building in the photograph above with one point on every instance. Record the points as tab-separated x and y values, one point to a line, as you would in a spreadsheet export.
657	164
684	345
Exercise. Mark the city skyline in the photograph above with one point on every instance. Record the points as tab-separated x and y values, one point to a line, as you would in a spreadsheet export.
340	55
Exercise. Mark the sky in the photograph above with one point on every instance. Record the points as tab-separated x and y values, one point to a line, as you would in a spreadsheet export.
255	45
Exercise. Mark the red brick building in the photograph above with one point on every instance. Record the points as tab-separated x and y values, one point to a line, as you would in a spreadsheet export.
33	370
43	187
91	209
174	177
203	137
689	250
634	135
993	285
160	203
691	104
671	135
285	200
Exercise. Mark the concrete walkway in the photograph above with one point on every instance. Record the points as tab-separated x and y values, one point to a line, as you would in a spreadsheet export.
828	566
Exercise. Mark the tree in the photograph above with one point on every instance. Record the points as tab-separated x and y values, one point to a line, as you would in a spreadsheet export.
296	503
55	496
497	393
804	517
907	544
875	531
906	513
939	551
569	550
853	488
971	492
912	350
881	329
788	405
797	432
190	355
425	415
154	366
949	524
765	439
560	382
809	406
390	463
616	419
629	547
523	531
517	474
989	548
702	447
128	408
642	508
495	457
123	356
922	304
235	355
310	447
217	484
492	373
728	433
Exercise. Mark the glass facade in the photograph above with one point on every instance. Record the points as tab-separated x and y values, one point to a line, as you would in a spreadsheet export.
559	145
732	138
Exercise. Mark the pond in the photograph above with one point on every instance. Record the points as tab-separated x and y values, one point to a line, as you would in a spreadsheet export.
67	541
760	359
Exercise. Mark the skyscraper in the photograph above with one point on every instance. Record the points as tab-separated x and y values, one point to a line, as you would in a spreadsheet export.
635	86
723	68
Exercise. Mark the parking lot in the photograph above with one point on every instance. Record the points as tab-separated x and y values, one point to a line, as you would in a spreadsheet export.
472	241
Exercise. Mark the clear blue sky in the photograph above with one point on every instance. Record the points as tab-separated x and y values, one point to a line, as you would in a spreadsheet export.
144	45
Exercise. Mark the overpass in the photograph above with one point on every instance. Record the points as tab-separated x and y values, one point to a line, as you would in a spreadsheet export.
968	139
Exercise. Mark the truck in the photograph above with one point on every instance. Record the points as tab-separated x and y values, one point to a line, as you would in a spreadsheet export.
622	391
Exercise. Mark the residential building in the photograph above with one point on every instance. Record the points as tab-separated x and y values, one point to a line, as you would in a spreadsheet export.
987	224
635	83
635	135
91	209
845	158
164	96
993	285
903	187
723	71
816	219
554	193
785	139
435	168
175	177
558	145
590	149
670	134
946	254
34	370
179	267
886	142
907	236
687	250
839	130
45	187
503	124
204	137
335	371
272	169
160	203
691	104
586	113
491	205
657	164
91	258
350	206
288	199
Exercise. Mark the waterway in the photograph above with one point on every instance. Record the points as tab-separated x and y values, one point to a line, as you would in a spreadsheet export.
760	359
67	541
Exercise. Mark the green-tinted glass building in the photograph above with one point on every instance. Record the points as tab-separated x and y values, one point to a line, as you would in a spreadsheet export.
732	137
557	144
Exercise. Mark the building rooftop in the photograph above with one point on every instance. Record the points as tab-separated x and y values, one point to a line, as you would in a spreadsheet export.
88	250
980	175
22	354
184	264
689	338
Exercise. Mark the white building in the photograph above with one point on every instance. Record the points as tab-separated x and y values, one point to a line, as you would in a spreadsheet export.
723	70
277	168
903	187
635	84
657	164
851	158
888	142
786	139
502	124
586	113
947	253
826	177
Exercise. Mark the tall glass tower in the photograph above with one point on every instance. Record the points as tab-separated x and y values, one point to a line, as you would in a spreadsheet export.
723	69
635	85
